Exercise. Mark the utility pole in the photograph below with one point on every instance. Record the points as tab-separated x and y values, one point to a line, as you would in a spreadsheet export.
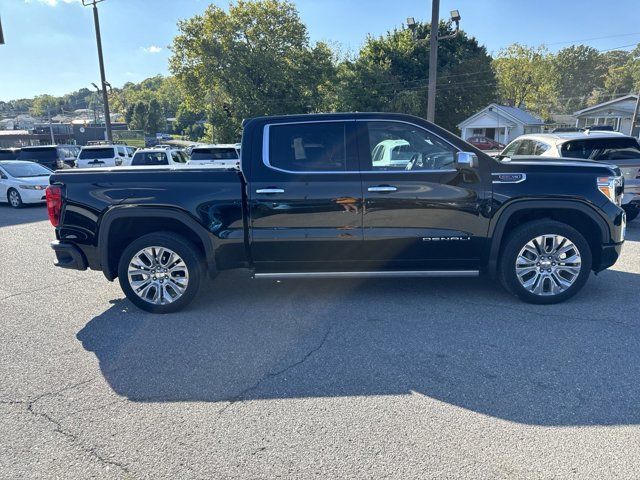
105	95
433	60
434	37
1	34
53	141
634	120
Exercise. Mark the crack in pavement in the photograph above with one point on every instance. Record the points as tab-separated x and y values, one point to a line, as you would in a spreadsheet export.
58	428
91	451
39	289
269	375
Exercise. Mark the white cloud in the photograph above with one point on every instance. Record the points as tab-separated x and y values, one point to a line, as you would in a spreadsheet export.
152	49
52	3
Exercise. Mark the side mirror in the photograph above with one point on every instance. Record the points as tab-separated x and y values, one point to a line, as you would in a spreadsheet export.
466	160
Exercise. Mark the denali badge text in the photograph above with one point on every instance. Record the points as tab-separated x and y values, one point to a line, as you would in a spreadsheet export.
445	239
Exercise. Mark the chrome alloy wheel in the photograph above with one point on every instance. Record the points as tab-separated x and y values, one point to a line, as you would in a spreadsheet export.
158	275
548	265
14	198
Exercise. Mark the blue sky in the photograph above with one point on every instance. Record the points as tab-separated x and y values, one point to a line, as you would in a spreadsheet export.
50	44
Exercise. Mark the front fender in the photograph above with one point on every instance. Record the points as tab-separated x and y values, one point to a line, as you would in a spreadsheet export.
502	216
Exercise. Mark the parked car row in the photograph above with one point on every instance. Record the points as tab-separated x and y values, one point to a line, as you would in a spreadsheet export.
18	167
23	182
102	154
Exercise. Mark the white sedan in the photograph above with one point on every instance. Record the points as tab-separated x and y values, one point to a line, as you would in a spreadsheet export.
23	182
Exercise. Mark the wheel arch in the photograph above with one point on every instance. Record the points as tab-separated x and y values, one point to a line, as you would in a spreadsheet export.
137	221
579	215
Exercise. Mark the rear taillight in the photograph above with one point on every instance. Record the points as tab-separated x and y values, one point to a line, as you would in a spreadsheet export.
53	195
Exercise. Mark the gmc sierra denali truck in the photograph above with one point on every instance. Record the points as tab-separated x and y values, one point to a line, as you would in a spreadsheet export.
342	195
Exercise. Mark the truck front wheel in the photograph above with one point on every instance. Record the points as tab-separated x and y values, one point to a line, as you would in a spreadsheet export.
160	272
545	262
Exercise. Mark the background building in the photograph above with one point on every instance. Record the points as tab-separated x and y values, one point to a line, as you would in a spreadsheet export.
500	123
617	113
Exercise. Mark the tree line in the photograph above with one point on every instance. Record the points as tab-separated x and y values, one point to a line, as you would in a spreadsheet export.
256	58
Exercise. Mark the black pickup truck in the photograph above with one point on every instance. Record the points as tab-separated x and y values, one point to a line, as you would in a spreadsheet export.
342	195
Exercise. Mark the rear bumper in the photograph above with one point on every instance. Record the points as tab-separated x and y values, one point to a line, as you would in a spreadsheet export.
68	256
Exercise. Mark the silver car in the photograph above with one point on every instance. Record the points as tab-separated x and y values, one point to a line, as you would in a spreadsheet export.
609	147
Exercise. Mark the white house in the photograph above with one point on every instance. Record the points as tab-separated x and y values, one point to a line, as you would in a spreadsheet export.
616	112
500	123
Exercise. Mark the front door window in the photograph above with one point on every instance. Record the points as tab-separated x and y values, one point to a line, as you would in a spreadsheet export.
401	146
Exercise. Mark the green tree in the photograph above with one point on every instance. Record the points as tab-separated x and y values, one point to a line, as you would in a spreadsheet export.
579	70
140	117
390	74
128	114
43	104
188	123
526	78
253	59
156	120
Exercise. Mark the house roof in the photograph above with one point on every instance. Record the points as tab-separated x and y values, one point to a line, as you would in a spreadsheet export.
631	96
514	113
13	133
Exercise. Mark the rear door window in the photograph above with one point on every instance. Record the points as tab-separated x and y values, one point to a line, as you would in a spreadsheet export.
179	157
527	147
602	149
308	147
540	148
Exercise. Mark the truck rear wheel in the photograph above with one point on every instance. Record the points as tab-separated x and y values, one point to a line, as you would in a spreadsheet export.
160	272
545	262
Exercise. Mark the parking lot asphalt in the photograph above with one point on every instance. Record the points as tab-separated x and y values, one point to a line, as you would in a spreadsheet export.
393	378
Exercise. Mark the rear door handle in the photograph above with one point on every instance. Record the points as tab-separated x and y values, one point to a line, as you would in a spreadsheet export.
270	190
383	189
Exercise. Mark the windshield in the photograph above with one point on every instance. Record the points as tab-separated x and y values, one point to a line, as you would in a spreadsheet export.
90	153
38	154
24	170
602	149
214	154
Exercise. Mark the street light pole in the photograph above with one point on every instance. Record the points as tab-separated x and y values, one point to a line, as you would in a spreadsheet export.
105	96
433	60
434	37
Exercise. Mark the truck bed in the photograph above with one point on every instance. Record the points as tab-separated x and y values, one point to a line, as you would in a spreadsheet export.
211	198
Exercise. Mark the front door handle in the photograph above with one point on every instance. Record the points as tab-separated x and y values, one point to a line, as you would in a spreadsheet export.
270	190
383	189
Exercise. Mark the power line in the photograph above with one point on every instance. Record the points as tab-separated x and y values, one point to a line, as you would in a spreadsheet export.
594	38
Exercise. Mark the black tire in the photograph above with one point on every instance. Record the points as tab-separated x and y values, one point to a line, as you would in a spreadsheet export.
182	247
516	241
632	212
14	198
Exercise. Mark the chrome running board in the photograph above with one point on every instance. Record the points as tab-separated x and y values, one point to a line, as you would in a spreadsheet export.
380	274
